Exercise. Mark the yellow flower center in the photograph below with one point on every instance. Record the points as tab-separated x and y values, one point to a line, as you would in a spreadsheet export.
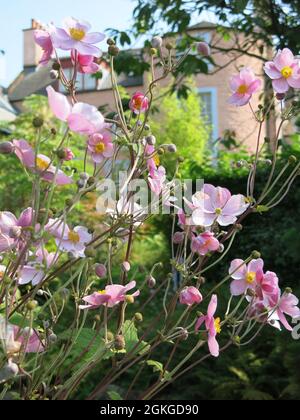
250	277
218	325
219	211
100	148
156	160
287	72
42	164
243	89
77	34
102	292
74	237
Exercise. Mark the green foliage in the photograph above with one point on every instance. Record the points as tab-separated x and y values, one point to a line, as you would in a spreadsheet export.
178	122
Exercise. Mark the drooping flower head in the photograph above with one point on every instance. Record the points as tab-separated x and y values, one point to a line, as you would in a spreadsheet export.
13	230
205	243
111	296
139	103
284	71
213	326
34	271
243	86
85	63
190	296
217	205
42	164
43	39
82	118
76	35
100	146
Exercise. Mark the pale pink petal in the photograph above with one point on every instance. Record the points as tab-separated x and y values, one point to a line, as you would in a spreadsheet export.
213	346
238	269
284	58
238	287
87	49
59	104
294	82
235	206
94	37
280	85
272	71
212	307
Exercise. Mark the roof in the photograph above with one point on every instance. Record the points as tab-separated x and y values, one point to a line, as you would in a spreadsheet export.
35	82
7	112
203	25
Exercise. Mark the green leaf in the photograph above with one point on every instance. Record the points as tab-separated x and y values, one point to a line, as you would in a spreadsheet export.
114	396
131	339
262	209
241	5
240	374
157	366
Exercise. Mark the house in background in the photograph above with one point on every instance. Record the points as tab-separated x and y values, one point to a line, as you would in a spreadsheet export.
7	112
213	88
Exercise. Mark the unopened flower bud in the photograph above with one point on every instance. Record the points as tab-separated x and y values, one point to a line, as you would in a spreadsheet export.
32	305
138	317
81	183
56	66
90	252
6	148
69	202
91	181
203	49
40	293
178	238
288	291
172	148
239	227
157	42
151	140
153	51
110	41
129	299
52	338
181	159
169	46
151	282
126	267
100	270
280	96
184	334
120	343
255	255
221	248
38	122
9	371
85	176
161	151
236	340
113	50
53	75
293	160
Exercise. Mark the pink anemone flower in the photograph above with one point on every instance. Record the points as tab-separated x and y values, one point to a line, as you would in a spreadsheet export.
43	39
213	326
85	63
245	276
111	296
284	71
69	240
14	339
12	230
139	103
217	205
190	296
243	86
205	243
157	180
34	271
288	305
82	118
100	147
42	164
76	36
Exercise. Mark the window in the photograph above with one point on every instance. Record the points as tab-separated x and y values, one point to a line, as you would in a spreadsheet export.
209	103
84	81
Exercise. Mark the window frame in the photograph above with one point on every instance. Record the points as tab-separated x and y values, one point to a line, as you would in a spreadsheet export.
215	114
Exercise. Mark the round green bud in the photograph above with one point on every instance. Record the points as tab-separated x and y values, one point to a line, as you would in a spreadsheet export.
255	255
129	299
38	122
110	42
32	305
293	160
139	317
56	66
113	50
110	336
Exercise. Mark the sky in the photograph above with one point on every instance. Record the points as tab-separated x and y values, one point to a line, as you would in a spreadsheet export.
16	15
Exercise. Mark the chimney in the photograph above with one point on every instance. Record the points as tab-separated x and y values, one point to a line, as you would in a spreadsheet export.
32	52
